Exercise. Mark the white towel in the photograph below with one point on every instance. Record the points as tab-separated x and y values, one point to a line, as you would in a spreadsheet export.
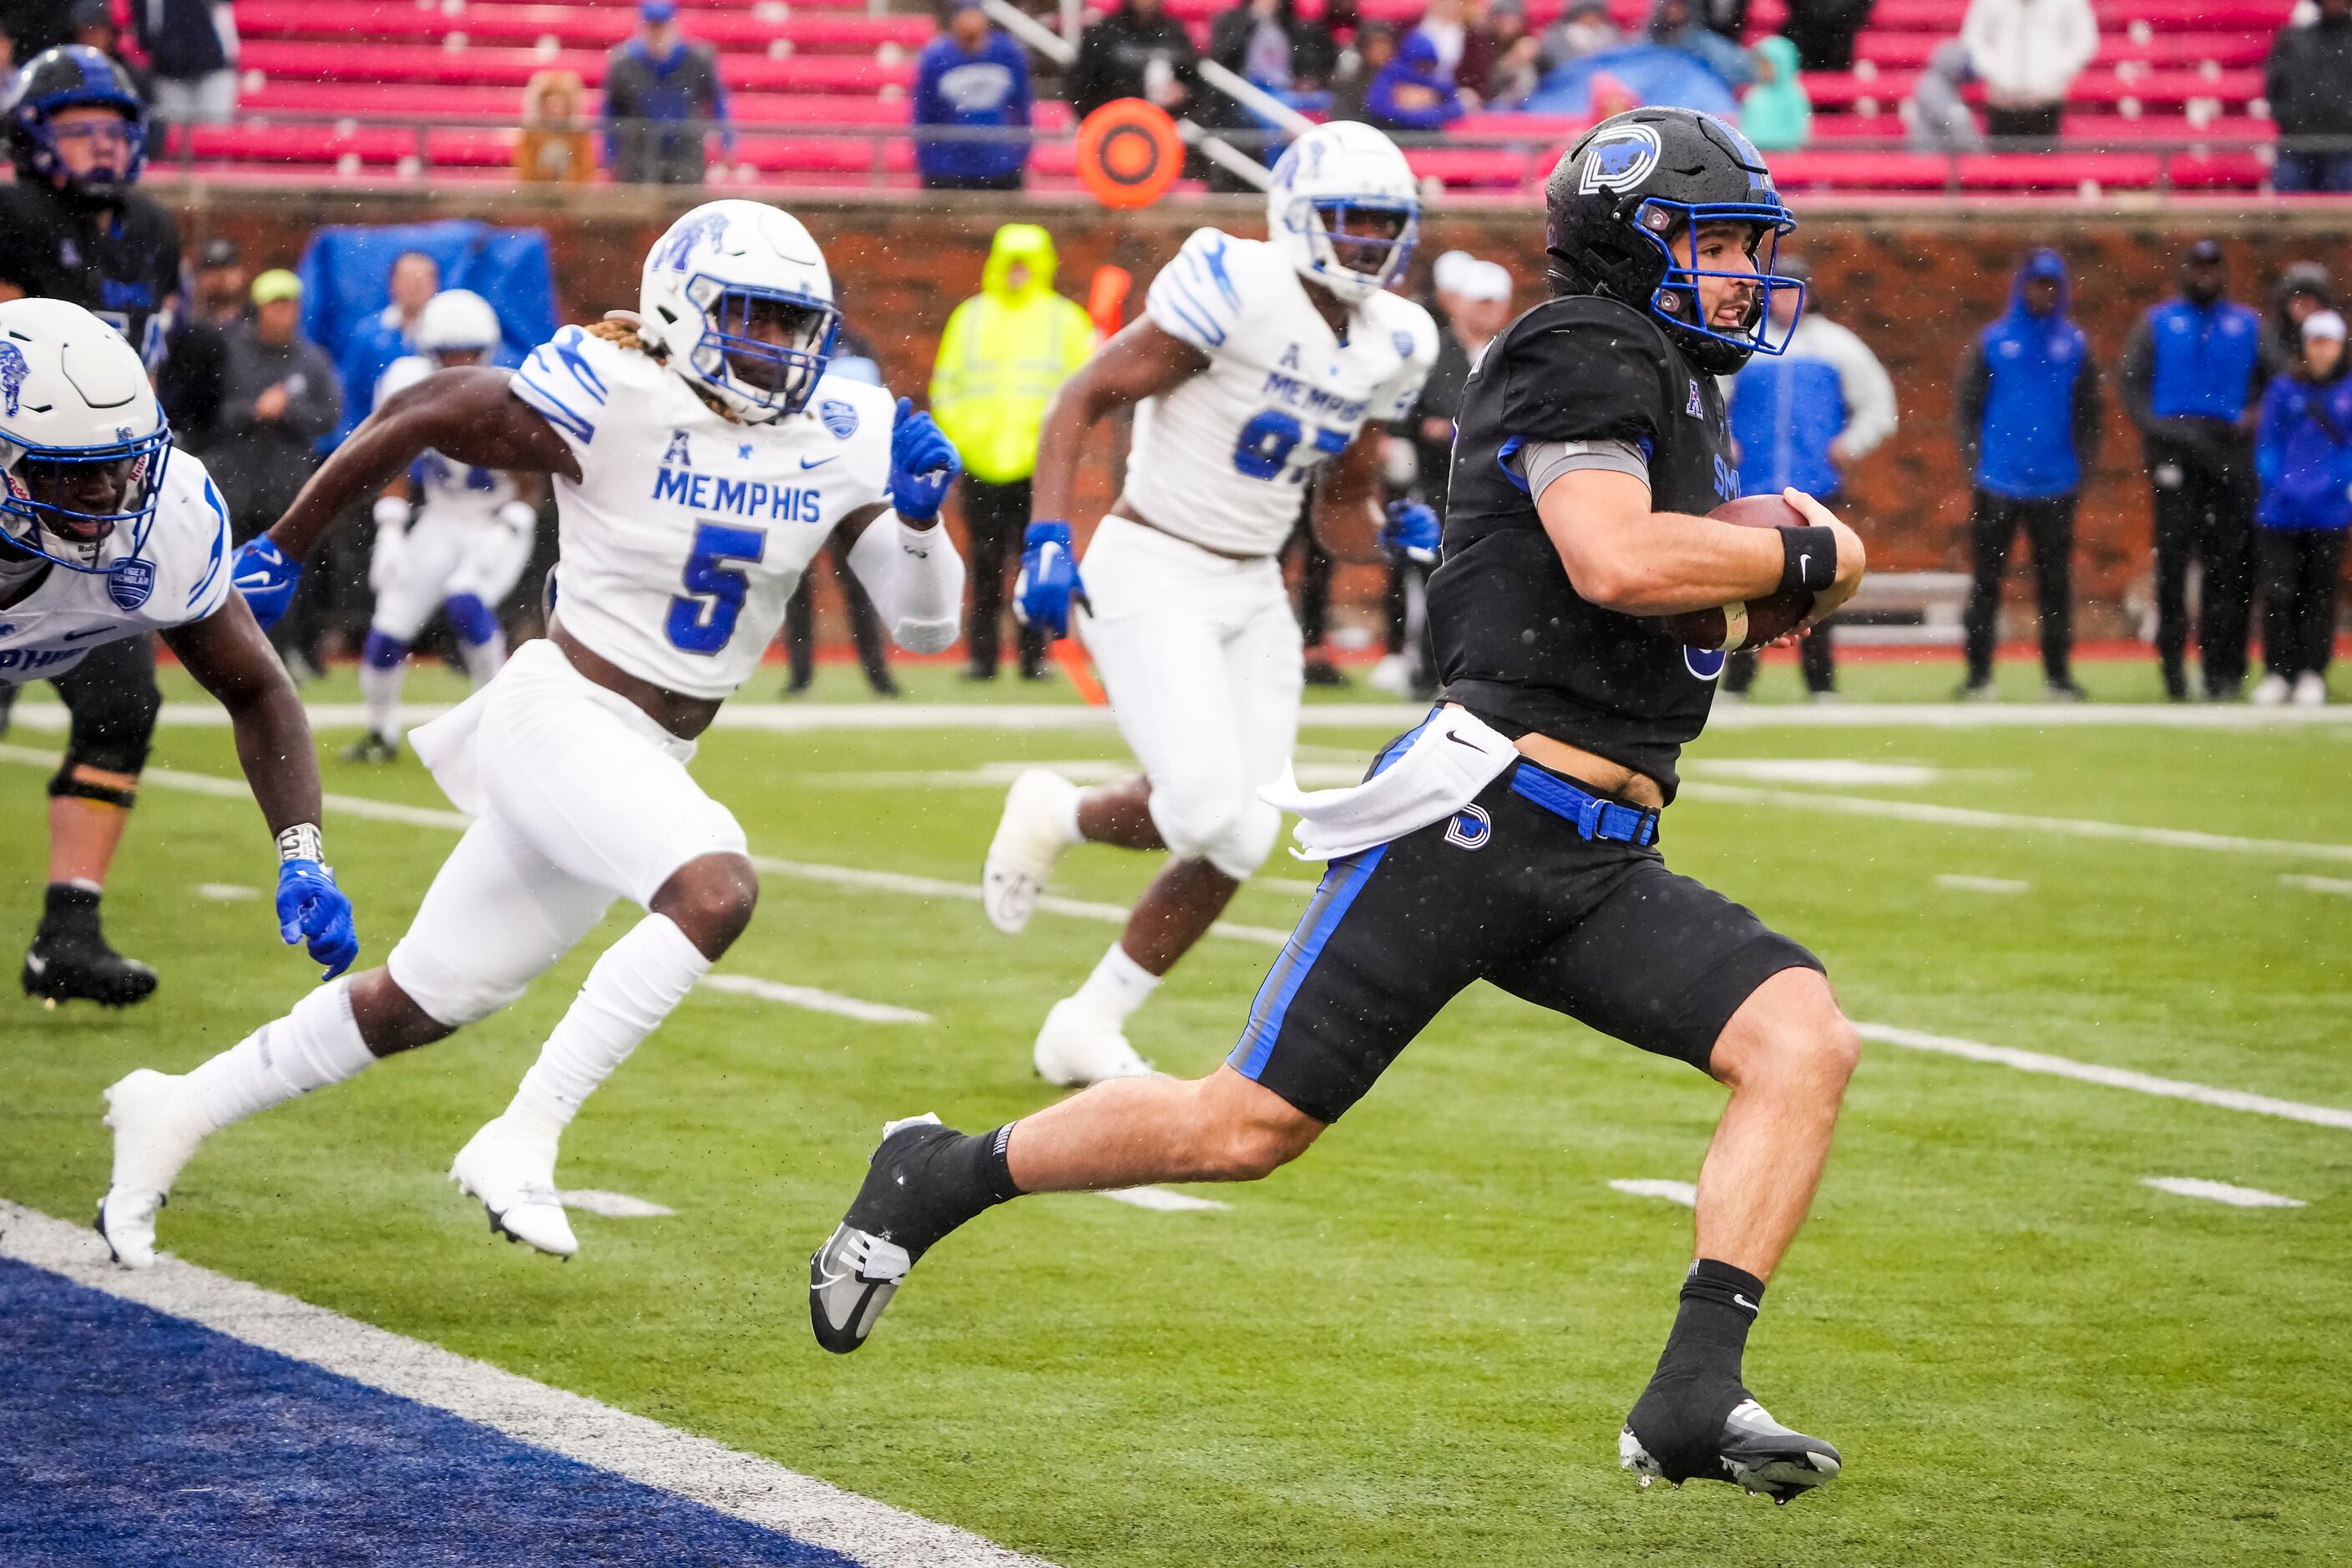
1449	763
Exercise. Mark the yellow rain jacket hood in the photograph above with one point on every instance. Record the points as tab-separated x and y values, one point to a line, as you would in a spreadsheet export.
1002	356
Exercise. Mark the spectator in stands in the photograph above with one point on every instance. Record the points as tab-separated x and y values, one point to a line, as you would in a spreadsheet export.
1268	43
1584	28
1136	51
2301	290
374	344
192	45
2303	453
662	97
1675	26
1004	352
1775	114
1800	418
973	76
94	26
1824	31
1464	44
555	146
1359	67
2309	83
2029	53
1938	116
1519	66
2027	405
1411	93
277	397
2192	379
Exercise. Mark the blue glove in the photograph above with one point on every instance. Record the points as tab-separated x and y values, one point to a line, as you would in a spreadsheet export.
312	910
1041	594
1412	532
267	579
923	463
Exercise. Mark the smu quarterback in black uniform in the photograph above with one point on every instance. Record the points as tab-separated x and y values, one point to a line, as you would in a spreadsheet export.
73	229
1512	837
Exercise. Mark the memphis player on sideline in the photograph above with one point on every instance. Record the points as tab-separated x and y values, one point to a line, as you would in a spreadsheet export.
1513	835
1256	365
698	465
107	534
449	536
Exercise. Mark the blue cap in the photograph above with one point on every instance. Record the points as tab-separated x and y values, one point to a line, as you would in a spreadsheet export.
658	11
2046	264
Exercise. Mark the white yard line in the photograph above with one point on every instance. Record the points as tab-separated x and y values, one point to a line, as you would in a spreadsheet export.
1159	1198
2221	1193
612	1206
1681	1192
814	1000
225	892
742	1485
2337	884
1960	884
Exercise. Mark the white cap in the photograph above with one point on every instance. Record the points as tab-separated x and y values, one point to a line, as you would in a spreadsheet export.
2322	324
1487	282
1451	272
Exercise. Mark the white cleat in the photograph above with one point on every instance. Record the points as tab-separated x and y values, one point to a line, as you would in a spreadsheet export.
1030	837
2311	690
157	1126
512	1172
2271	692
1079	1046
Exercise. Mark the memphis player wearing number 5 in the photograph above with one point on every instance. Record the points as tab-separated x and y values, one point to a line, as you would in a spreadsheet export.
1512	837
1256	366
106	534
698	464
448	536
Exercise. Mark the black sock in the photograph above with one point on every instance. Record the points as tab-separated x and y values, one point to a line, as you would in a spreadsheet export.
933	1180
1679	1417
69	907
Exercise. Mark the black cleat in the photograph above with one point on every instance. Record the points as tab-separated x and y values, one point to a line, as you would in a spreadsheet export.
853	1274
373	747
1749	1449
76	964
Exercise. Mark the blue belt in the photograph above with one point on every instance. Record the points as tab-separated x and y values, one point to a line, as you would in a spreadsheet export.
1593	816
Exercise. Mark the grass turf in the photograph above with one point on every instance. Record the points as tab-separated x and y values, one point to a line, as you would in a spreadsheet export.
1414	1346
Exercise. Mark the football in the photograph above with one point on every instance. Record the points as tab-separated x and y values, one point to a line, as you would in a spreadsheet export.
1758	621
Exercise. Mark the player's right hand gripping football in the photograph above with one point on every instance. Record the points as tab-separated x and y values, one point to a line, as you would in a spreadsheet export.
1048	583
266	578
1853	561
315	913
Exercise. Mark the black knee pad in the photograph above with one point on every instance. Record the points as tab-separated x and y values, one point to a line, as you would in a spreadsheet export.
112	727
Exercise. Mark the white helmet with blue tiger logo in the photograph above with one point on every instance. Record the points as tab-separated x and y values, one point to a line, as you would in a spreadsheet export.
457	322
1345	209
736	298
83	444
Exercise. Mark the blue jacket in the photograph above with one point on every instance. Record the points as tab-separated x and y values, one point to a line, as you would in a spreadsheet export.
2028	396
2207	359
2303	453
990	88
1415	66
1787	410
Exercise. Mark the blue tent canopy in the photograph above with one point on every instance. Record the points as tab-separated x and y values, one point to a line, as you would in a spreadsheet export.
1651	72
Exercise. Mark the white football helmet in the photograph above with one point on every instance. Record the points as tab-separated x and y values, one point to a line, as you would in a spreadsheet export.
457	321
1344	207
737	297
83	444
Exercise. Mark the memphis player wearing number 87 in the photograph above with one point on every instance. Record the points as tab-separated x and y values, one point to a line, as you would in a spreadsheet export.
698	463
1256	366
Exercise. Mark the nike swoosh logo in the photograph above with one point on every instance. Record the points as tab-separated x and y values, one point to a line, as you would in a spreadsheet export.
1803	561
807	465
87	632
1460	742
37	964
1739	1300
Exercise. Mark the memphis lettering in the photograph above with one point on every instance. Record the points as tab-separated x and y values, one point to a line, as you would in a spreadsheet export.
1328	406
739	498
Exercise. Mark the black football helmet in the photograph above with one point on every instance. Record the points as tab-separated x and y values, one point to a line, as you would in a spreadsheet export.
1640	185
73	75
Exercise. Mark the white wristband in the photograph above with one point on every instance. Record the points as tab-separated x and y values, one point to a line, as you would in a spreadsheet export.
303	841
391	512
520	516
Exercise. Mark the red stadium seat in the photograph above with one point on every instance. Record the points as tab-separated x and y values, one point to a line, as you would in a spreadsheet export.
426	64
574	27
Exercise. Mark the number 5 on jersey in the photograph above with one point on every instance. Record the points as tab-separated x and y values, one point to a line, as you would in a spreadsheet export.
702	618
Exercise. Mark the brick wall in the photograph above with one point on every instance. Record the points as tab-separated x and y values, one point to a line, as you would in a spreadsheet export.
1916	282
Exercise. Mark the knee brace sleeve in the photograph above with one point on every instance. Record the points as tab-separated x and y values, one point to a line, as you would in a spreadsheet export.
1193	818
69	784
1245	845
110	729
474	620
381	651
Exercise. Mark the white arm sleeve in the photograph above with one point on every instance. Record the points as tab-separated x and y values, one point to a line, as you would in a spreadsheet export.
916	580
1869	394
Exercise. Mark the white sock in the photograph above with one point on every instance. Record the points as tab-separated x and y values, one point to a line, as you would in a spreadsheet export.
1119	984
1065	820
315	1044
483	658
380	689
629	992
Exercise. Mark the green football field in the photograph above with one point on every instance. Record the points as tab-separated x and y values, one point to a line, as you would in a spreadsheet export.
1416	1346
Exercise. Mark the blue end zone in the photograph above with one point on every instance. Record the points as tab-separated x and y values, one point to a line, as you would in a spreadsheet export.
131	1437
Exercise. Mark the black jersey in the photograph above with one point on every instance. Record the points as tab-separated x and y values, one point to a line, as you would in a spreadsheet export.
120	262
1515	641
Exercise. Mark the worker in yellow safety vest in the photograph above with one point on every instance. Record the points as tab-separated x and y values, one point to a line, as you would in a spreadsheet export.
1006	352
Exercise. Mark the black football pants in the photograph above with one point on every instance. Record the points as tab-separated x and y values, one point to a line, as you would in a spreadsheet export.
2208	514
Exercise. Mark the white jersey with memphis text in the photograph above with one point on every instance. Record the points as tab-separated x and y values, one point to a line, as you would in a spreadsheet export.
440	488
183	575
685	533
1222	459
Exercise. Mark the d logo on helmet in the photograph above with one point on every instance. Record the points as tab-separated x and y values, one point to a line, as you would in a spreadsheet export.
1619	160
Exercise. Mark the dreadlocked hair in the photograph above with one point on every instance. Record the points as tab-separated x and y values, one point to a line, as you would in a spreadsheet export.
620	328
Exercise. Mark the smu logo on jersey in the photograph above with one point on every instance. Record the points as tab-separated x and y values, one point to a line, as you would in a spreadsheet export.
1726	480
743	498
